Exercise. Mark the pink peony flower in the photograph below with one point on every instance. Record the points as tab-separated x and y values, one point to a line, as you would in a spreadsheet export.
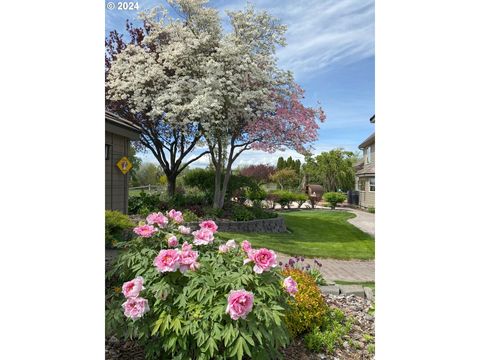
290	285
264	259
223	248
145	231
157	218
231	244
184	230
240	303
133	287
188	258
135	307
186	246
246	246
210	225
202	237
167	260
172	241
175	216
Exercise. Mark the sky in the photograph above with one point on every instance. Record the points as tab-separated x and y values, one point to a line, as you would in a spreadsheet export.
331	51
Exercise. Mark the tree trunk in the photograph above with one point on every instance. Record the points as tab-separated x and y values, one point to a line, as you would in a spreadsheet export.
218	188
172	182
223	193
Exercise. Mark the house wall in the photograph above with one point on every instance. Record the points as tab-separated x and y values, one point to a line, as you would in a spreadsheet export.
116	183
367	197
365	151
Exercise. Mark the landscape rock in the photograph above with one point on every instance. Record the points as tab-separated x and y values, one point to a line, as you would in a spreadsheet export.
369	293
331	290
352	290
273	225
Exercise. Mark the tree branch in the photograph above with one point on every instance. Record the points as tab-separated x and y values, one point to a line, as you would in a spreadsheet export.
192	160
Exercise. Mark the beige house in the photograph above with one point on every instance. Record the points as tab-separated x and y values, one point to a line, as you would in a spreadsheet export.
365	172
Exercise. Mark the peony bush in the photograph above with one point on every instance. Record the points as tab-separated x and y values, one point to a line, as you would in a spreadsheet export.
183	294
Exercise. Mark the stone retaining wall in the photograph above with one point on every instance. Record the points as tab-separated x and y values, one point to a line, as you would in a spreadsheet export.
274	225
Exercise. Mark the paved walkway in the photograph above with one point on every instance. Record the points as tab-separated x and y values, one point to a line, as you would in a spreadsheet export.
364	221
346	270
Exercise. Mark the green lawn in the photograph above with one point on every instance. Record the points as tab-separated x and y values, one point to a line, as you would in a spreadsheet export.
323	234
370	284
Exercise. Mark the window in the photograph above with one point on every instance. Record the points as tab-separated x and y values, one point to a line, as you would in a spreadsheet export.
107	151
361	184
372	184
369	155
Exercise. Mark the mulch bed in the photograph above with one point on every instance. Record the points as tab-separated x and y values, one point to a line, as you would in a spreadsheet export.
355	349
354	346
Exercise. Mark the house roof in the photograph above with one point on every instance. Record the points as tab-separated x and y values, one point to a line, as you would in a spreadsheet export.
359	164
120	121
368	169
372	119
368	141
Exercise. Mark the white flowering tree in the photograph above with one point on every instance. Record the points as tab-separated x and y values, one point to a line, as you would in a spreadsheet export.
153	80
257	105
189	83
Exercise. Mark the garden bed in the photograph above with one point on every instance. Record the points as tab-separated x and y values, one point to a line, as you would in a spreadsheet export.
359	344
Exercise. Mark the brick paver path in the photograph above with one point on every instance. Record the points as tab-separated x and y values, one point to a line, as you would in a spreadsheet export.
346	270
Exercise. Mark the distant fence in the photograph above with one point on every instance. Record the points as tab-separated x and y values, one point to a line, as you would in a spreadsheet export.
149	189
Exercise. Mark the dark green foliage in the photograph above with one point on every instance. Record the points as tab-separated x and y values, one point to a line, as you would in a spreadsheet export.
116	224
145	203
289	164
187	317
256	195
333	198
371	210
333	170
136	163
287	179
189	216
147	174
204	180
244	213
241	213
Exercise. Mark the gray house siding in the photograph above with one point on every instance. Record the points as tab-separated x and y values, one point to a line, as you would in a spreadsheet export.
116	183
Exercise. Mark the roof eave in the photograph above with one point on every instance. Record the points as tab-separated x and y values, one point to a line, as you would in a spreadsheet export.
368	141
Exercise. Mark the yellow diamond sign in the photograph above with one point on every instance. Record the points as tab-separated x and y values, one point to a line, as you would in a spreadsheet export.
124	165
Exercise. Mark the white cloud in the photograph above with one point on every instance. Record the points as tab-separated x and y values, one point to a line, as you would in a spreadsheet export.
323	33
320	33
